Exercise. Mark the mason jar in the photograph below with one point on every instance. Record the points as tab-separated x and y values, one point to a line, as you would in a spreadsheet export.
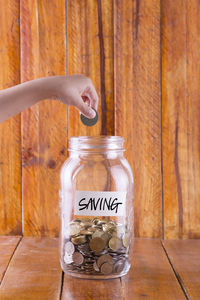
96	208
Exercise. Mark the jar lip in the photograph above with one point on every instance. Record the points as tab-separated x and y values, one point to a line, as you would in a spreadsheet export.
107	142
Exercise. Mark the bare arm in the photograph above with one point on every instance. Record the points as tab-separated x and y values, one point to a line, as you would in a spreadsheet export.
73	90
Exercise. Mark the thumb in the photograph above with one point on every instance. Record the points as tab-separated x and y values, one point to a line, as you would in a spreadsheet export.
85	109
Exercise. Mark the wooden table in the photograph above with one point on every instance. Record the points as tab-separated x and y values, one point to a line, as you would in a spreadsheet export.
30	269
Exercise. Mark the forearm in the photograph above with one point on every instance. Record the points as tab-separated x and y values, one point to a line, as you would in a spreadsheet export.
73	90
16	99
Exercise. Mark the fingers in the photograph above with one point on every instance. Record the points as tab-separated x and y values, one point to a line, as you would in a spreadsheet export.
91	93
84	108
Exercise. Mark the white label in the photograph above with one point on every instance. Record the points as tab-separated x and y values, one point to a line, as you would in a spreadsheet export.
100	203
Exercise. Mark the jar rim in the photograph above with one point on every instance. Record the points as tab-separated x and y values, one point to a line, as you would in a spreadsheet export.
104	142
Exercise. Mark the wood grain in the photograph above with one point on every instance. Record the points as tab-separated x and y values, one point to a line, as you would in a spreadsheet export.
181	118
75	289
8	245
138	105
10	136
44	127
151	275
34	271
184	256
90	52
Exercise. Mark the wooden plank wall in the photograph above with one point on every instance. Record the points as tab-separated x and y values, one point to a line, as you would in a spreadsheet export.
44	128
143	59
138	105
10	131
181	118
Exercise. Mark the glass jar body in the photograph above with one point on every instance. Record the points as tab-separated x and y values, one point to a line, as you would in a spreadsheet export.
96	231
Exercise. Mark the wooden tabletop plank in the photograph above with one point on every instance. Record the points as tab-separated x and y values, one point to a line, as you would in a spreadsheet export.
75	289
34	271
184	255
8	245
151	275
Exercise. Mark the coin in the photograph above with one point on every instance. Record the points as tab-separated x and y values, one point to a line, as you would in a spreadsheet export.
105	236
86	232
95	220
85	220
86	224
101	222
95	267
69	248
68	259
77	258
77	221
126	239
105	251
79	240
106	268
119	266
115	243
89	122
108	227
97	244
74	229
104	258
91	229
97	233
84	247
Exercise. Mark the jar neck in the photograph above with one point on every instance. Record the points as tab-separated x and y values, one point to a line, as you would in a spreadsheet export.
96	144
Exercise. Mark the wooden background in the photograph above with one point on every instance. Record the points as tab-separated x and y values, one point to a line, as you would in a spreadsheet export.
144	60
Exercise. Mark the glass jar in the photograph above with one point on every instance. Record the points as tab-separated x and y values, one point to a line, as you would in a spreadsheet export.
96	208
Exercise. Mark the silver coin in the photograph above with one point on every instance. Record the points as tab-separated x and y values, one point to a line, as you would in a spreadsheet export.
89	122
68	259
69	248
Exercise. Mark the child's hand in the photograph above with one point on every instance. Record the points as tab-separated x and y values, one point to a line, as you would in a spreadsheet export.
77	90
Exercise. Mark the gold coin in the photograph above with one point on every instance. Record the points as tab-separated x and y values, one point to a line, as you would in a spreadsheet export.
97	233
119	266
105	236
74	229
126	239
84	220
108	227
81	239
104	258
116	234
106	268
86	224
77	258
86	232
76	221
95	220
69	248
112	223
115	243
97	244
91	229
101	222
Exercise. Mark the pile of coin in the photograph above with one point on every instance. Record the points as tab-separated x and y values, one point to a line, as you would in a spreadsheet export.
96	247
